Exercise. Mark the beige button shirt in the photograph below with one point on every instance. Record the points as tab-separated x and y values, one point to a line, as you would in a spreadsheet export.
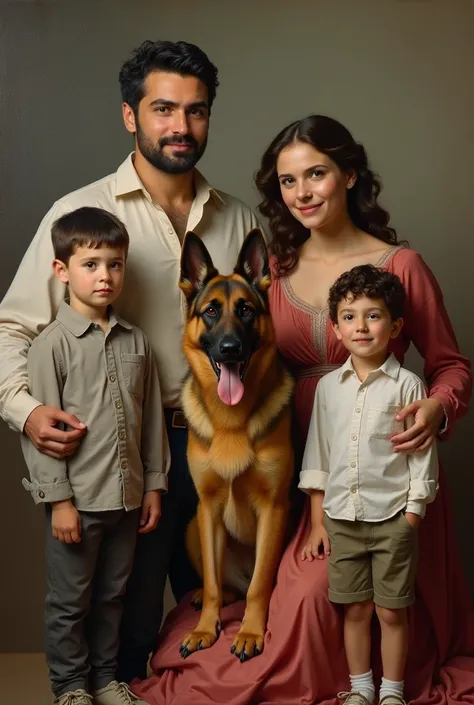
150	299
349	455
110	382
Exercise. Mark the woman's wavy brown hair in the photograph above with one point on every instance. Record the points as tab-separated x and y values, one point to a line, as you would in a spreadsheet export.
331	138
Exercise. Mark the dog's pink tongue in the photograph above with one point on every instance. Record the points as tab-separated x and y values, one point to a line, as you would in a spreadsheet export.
230	388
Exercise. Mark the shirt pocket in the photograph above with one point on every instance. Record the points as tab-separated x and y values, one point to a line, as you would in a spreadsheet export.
133	370
381	421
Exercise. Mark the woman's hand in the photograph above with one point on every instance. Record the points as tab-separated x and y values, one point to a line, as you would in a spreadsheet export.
428	414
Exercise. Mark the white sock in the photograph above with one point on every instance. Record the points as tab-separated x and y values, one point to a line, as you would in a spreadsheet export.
391	688
364	684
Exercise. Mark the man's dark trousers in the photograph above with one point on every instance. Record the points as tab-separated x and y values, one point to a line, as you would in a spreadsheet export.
159	554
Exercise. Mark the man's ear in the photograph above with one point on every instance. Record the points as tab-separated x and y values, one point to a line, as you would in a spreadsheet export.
129	119
253	264
196	266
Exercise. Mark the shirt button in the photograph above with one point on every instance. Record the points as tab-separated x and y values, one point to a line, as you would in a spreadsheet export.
112	378
357	410
170	230
118	404
41	494
124	465
354	437
122	436
354	490
353	465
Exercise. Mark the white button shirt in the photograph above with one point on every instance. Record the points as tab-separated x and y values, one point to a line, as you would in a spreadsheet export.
348	452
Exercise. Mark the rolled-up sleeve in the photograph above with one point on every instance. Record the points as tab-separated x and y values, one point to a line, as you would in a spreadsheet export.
315	467
422	466
48	476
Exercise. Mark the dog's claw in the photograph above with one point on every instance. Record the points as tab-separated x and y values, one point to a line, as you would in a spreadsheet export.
248	644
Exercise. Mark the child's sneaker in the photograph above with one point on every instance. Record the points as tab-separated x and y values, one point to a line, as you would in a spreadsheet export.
74	697
392	699
352	697
116	694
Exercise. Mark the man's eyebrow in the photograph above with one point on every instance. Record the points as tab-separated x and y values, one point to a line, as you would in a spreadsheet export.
163	101
173	104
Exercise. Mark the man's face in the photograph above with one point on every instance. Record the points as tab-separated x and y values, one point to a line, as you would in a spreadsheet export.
172	122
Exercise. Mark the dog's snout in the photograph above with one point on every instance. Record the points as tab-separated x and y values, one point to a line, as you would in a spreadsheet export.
230	346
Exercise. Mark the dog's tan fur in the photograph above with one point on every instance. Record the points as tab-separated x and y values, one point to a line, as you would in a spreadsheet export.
241	461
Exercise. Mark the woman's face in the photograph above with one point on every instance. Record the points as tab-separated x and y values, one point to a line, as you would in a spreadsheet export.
312	186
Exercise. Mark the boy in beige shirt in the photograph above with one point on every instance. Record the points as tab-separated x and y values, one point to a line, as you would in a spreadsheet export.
366	500
92	364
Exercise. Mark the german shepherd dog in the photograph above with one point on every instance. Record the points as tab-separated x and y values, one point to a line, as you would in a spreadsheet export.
237	401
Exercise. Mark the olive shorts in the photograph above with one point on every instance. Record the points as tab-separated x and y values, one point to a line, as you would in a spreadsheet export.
372	561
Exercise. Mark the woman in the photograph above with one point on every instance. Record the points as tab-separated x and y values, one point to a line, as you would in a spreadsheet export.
321	200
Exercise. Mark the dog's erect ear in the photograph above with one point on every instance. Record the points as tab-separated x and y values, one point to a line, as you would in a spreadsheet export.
253	263
196	266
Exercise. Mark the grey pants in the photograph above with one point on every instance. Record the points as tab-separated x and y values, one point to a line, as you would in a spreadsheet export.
83	608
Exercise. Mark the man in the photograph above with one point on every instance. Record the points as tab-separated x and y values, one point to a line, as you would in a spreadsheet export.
168	90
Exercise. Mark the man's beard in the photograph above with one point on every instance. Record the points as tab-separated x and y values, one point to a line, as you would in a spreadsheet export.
177	163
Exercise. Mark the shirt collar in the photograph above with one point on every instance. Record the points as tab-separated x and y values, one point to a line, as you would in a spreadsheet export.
391	368
127	181
79	324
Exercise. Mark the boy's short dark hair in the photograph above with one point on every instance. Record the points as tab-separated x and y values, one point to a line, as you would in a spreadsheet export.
367	280
182	58
87	227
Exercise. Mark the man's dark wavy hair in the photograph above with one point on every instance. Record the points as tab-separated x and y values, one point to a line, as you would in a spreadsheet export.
331	138
367	280
172	57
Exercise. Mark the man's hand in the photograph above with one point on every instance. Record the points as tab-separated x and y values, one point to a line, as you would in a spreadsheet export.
151	511
66	522
317	538
413	519
41	429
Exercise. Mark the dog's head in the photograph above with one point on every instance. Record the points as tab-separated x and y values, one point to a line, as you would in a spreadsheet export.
228	316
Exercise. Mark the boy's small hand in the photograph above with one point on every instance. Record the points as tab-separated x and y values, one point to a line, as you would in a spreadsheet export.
151	511
318	537
66	522
413	519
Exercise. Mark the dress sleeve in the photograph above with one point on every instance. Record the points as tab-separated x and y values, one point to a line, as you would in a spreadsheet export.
447	371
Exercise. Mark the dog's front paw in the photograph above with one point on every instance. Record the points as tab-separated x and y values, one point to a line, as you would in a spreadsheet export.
247	645
196	641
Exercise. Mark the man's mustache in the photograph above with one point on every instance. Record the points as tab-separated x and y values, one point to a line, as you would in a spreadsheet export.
179	139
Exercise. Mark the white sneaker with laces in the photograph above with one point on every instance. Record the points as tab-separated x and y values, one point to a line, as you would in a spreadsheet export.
116	694
392	699
352	697
74	697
